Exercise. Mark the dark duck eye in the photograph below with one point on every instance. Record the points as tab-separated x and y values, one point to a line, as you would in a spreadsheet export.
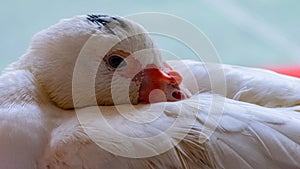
116	61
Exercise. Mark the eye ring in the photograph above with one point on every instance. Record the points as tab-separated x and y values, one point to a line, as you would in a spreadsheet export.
115	61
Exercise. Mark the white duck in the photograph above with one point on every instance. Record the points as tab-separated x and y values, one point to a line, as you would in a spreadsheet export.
36	91
40	129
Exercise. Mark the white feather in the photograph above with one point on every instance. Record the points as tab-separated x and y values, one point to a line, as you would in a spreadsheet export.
253	85
248	136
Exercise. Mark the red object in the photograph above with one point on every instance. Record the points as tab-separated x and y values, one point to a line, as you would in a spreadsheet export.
290	70
166	81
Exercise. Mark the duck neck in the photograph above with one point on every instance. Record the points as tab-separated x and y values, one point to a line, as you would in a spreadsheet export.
20	87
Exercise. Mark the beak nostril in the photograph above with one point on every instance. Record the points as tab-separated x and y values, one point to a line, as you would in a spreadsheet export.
178	95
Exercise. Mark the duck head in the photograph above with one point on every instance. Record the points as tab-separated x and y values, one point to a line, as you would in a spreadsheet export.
112	60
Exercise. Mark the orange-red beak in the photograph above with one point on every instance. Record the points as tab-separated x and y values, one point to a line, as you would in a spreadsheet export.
158	85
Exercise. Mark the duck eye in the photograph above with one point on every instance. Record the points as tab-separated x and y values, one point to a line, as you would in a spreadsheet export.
116	61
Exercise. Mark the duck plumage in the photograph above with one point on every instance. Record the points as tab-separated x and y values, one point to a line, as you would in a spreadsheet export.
253	124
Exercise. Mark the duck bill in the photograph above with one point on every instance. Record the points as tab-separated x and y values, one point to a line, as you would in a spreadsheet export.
159	85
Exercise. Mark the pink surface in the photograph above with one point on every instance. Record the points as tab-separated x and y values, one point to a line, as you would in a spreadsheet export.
291	70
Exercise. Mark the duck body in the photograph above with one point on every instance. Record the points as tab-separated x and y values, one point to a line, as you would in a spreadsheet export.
35	133
243	136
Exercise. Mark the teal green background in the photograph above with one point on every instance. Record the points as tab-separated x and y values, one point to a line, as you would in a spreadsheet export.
244	32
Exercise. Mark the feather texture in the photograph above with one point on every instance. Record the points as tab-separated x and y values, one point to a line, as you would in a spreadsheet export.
254	125
248	136
252	85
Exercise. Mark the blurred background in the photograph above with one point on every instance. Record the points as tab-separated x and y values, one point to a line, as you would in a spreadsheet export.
249	33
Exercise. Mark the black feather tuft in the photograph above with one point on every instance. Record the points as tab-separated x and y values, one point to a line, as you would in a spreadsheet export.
100	20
